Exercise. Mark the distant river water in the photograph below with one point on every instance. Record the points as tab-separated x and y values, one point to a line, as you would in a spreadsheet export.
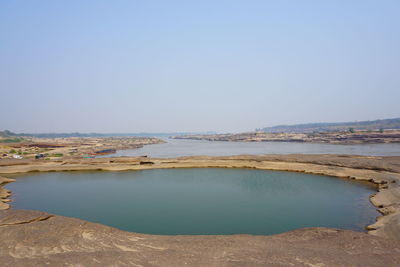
180	147
199	201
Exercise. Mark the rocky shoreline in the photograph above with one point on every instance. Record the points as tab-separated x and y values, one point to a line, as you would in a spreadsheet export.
381	246
358	137
4	193
71	147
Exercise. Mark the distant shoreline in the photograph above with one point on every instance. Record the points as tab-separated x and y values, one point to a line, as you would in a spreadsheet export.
342	138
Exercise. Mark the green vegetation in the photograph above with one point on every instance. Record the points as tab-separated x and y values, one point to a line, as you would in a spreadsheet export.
11	140
6	133
351	130
57	155
12	151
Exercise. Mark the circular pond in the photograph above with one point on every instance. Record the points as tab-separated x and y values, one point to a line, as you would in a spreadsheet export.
199	201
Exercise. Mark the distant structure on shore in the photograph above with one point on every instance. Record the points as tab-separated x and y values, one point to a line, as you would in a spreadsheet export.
334	127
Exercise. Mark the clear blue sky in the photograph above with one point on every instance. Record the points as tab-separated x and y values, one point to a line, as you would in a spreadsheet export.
230	66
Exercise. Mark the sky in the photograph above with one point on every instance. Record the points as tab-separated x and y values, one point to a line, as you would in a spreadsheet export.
169	66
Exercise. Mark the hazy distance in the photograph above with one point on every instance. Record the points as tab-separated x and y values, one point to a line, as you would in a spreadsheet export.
169	66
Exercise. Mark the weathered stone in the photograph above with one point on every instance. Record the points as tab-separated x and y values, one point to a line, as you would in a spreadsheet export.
32	238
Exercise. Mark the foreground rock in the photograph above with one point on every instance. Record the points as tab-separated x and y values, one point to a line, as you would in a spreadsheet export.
33	238
383	171
4	193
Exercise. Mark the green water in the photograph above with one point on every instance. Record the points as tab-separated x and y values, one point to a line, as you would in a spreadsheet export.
199	201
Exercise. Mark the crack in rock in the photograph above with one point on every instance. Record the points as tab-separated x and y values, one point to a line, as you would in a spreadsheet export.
38	219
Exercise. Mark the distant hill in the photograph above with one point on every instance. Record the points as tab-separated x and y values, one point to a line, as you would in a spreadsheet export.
335	126
7	133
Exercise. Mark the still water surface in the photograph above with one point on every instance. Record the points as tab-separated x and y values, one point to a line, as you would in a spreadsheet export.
178	148
199	201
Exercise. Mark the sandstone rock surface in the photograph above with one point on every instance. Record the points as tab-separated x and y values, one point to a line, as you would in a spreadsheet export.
33	238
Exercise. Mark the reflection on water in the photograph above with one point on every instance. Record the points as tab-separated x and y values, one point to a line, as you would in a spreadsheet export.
178	148
199	201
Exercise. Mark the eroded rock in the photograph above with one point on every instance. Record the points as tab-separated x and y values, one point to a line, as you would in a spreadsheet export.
29	239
